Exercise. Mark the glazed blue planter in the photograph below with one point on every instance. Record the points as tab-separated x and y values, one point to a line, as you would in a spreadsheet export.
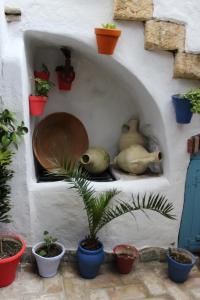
179	272
89	261
182	109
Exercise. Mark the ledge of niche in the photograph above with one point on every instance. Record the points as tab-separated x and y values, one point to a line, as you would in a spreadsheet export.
132	184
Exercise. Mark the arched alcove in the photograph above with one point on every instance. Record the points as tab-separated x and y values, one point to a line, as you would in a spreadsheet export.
104	96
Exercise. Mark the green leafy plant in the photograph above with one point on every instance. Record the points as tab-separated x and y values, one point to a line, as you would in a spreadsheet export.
48	243
66	70
109	26
43	87
99	209
10	135
194	97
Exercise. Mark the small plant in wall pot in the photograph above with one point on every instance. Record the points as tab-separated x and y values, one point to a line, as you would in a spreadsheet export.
107	38
186	104
12	246
100	212
48	255
38	102
43	74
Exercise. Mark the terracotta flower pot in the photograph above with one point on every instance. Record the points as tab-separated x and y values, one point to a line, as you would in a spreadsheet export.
42	75
107	40
65	81
37	105
8	266
125	257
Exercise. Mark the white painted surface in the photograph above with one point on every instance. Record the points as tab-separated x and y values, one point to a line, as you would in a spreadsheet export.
140	78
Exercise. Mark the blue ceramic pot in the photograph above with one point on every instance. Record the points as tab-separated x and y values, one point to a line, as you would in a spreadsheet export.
89	261
182	109
178	272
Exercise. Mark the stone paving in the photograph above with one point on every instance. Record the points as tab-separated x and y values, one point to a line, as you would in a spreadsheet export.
148	281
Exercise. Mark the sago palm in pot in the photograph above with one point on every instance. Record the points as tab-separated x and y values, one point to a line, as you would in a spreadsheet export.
100	211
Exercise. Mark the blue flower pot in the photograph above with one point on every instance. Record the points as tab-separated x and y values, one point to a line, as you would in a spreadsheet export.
89	261
182	109
178	272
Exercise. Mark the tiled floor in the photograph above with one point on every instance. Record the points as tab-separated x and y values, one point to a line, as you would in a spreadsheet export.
147	281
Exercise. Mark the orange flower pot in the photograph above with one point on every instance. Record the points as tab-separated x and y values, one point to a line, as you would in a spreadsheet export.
37	105
107	40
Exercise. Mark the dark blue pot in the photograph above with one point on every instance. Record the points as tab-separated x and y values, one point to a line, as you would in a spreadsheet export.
179	272
89	261
182	109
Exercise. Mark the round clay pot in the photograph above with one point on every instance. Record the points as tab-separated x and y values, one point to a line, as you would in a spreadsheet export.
65	81
37	105
107	40
125	257
95	160
8	266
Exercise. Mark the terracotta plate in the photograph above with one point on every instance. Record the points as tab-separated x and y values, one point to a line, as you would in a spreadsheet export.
58	136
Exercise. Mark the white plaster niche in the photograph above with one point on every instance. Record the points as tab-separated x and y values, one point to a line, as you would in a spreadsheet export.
104	96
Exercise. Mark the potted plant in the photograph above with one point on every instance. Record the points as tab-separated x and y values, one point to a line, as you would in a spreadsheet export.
180	262
38	102
65	73
107	38
100	212
44	74
48	255
12	246
125	256
186	104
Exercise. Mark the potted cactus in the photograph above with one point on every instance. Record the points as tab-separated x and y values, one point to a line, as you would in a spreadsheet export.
48	255
65	73
37	102
100	211
12	246
107	38
43	74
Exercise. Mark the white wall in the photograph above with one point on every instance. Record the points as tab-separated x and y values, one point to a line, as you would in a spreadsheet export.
148	84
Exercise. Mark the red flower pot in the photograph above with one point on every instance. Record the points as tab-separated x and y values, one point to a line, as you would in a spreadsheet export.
37	105
107	40
8	266
65	81
125	257
42	75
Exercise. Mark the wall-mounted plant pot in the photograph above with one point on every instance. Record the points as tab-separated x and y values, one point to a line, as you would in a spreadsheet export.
8	266
177	271
48	266
42	75
89	261
182	109
65	81
125	257
37	105
107	40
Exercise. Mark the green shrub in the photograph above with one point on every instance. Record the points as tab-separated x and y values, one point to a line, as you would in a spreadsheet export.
194	97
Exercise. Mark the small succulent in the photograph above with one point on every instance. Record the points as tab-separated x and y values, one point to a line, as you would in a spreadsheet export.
109	26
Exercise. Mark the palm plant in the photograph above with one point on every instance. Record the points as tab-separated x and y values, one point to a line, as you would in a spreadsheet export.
99	209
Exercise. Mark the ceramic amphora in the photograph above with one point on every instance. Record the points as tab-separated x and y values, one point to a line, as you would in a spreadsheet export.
95	160
130	135
136	159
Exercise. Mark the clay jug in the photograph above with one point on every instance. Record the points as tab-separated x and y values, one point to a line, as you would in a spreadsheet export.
136	159
95	160
130	135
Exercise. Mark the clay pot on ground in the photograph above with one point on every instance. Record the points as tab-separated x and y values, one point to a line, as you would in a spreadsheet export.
37	105
8	265
136	159
130	135
107	40
95	160
125	256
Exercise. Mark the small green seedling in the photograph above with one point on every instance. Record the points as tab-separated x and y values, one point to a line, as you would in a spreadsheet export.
109	26
43	86
48	242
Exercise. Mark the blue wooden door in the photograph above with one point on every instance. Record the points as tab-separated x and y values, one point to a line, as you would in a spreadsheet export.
189	234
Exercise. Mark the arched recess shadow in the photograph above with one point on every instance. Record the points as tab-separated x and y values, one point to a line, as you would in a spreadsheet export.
146	105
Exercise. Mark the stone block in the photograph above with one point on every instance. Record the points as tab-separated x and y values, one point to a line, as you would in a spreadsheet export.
187	65
135	10
161	35
12	14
